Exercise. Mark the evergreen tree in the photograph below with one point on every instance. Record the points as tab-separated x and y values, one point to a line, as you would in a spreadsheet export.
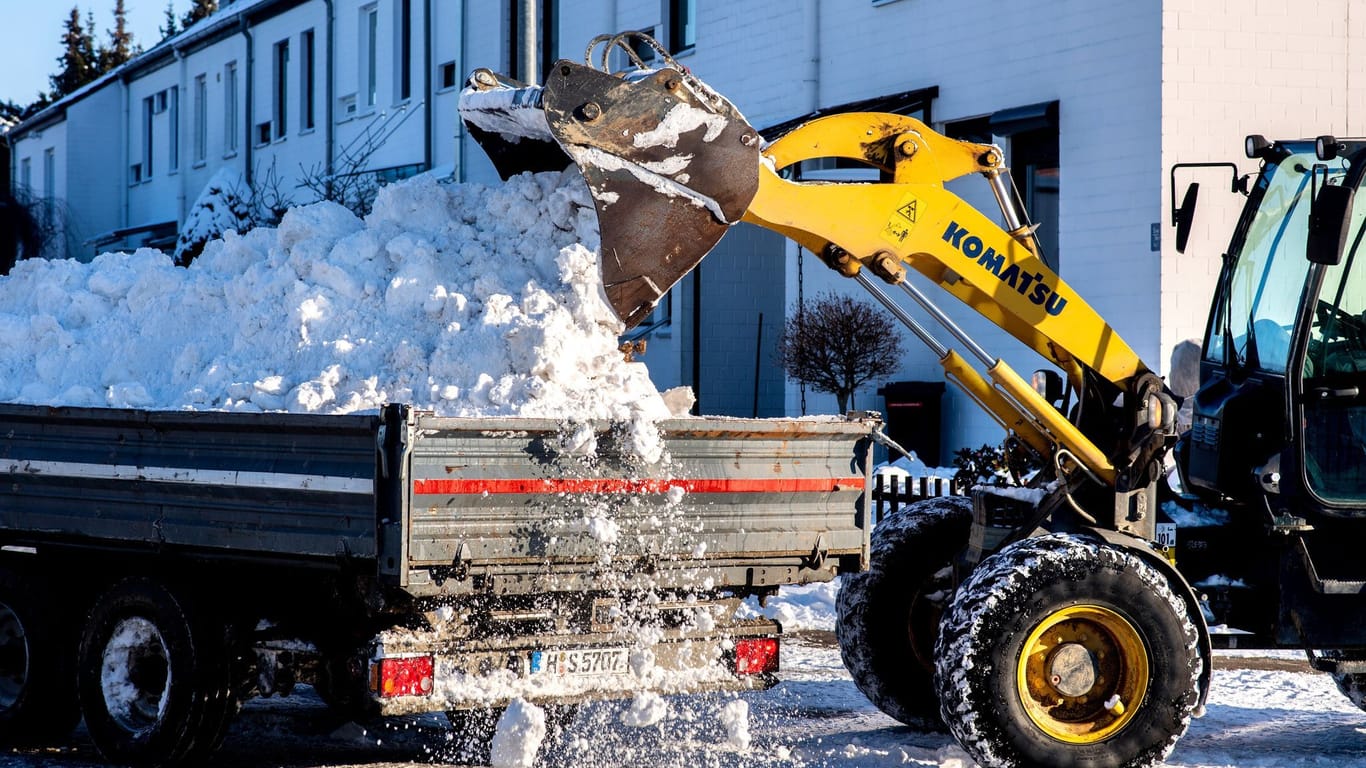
120	48
200	9
171	27
78	60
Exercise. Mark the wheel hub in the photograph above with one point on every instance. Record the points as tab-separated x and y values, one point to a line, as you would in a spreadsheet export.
14	657
136	674
1073	670
1082	673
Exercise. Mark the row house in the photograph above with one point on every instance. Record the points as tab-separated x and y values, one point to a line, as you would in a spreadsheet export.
280	91
1091	100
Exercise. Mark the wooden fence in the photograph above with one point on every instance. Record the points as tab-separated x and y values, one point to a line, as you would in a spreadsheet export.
890	492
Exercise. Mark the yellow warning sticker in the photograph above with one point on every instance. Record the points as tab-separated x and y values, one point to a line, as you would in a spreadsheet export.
903	220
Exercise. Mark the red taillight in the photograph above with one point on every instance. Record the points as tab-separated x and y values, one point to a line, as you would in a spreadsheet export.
756	656
402	676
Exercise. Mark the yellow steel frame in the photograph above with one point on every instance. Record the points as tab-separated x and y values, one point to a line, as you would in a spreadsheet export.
912	220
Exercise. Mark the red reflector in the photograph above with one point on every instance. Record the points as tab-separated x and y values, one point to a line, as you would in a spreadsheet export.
404	676
756	656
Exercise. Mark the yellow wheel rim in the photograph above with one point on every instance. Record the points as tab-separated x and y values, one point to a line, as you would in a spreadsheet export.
1082	674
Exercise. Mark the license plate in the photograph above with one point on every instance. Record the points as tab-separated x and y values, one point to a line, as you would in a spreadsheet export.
579	661
1166	535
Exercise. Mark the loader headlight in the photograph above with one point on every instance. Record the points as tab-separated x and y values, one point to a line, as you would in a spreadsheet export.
1161	411
1154	411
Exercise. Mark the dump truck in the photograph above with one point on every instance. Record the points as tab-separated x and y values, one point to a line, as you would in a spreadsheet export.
159	568
1052	623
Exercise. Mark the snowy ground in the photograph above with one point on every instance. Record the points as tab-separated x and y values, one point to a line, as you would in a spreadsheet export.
1266	710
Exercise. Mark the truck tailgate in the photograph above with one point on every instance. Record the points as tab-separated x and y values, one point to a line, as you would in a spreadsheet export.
498	506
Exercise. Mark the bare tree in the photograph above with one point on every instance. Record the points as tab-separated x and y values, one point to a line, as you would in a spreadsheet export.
352	183
836	344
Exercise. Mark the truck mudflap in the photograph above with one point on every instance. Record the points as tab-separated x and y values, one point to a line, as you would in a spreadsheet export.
413	672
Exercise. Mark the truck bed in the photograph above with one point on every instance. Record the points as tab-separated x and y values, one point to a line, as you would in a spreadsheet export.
444	506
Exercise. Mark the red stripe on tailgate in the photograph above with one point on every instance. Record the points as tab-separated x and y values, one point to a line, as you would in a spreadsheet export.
455	486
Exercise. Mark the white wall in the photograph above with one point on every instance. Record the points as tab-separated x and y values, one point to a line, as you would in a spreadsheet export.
157	197
1233	68
300	150
95	176
212	62
34	149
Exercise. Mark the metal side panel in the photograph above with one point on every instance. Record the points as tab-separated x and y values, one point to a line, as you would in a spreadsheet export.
241	484
501	506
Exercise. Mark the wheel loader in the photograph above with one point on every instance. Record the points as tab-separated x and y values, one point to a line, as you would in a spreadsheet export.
1064	622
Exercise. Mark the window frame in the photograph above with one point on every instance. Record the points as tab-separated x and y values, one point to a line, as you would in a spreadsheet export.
280	90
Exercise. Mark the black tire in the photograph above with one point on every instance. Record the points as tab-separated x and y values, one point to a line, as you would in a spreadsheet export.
1353	687
37	665
154	686
1096	628
888	617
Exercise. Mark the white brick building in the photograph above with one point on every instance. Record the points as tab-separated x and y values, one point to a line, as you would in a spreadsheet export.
1092	100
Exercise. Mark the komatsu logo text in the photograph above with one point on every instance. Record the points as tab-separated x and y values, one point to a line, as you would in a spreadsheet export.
1028	284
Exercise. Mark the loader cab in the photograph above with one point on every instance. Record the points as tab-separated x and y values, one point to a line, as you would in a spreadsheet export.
1279	421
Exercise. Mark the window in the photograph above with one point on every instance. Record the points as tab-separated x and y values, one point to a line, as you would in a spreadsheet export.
26	174
134	173
682	25
307	81
644	50
230	108
49	183
1030	136
369	32
263	133
201	117
175	129
148	110
1033	156
281	101
448	75
404	49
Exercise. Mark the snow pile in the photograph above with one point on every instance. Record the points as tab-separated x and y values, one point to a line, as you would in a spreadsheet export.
463	299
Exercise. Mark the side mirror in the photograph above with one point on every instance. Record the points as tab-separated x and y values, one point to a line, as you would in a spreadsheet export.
1329	217
1185	216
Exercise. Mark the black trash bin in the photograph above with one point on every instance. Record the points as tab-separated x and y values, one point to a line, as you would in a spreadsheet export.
913	411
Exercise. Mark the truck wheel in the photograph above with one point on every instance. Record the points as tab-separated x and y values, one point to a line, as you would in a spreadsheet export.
1061	651
888	617
153	688
37	657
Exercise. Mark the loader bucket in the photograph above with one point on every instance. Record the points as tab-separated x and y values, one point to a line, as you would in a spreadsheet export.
670	164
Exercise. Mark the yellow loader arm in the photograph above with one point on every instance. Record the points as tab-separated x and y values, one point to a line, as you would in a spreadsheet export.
671	165
912	220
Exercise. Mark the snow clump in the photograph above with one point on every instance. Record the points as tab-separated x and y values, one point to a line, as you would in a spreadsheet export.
518	735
